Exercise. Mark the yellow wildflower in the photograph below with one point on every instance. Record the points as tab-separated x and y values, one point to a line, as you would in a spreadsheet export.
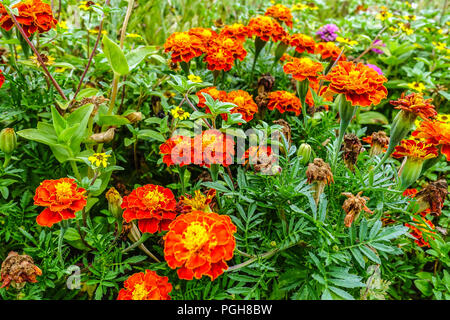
179	113
383	15
416	86
405	28
98	159
86	5
48	60
443	117
194	78
133	35
63	25
95	31
439	45
347	41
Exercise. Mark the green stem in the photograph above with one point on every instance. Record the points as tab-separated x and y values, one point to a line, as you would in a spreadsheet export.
143	238
75	170
7	159
61	240
346	112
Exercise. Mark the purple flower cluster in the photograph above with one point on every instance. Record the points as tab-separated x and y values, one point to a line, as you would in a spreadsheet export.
328	32
374	67
376	45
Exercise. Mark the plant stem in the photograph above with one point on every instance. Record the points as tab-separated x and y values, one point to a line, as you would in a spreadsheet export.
75	170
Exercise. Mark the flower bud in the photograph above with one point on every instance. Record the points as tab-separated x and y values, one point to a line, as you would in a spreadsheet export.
304	151
410	171
103	137
114	202
8	140
134	117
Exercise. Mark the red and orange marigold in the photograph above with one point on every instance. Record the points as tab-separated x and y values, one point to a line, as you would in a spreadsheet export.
284	101
177	150
420	229
204	34
235	31
33	16
153	206
245	105
265	28
213	147
63	199
2	78
415	103
184	46
435	133
221	53
199	243
303	68
415	149
199	201
329	50
281	13
302	42
360	84
146	286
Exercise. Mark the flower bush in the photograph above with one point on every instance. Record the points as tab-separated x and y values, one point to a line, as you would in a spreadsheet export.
262	151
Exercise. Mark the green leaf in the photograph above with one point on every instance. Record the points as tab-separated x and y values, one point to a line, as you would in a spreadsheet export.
39	136
370	254
372	117
424	286
115	56
59	123
341	293
358	256
112	120
134	57
151	134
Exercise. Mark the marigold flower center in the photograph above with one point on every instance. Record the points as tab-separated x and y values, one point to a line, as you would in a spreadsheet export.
139	292
208	139
63	190
153	197
181	37
195	236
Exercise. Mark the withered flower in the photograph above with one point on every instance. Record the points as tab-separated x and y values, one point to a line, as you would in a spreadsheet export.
18	269
432	197
319	173
352	148
103	137
378	143
134	117
286	130
265	85
353	206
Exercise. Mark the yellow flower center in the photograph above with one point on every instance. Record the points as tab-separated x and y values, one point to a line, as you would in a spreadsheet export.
139	292
154	197
208	139
63	190
239	100
195	236
181	37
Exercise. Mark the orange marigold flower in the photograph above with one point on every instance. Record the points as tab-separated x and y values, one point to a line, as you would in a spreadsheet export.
235	31
199	201
329	50
415	149
204	34
213	147
435	133
177	150
410	193
214	93
420	229
302	43
360	84
265	28
303	68
416	104
33	16
199	243
145	286
153	206
183	46
281	13
2	78
221	53
284	101
62	197
245	105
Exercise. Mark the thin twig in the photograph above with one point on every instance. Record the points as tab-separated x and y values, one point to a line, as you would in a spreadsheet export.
371	45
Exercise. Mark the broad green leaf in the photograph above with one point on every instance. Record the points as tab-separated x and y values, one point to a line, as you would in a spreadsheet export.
59	123
115	56
112	120
134	57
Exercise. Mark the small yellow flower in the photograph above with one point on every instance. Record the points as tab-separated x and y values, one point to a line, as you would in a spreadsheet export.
439	45
95	31
48	60
60	70
179	113
299	7
86	5
408	4
440	31
347	41
416	86
63	25
443	117
194	78
393	29
98	159
133	35
412	18
383	15
405	28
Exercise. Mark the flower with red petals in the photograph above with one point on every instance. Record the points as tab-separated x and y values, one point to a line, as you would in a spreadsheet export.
302	42
281	13
436	133
63	199
2	78
213	147
265	28
177	150
235	31
184	46
303	68
419	229
415	149
284	101
245	105
199	201
153	206
329	50
199	243
214	93
146	286
415	104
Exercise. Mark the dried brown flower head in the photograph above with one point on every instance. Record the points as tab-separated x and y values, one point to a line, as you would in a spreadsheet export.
353	206
134	117
286	130
103	137
432	197
18	269
352	148
319	173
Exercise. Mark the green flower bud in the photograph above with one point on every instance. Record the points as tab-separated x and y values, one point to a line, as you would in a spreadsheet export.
114	202
304	151
8	140
410	172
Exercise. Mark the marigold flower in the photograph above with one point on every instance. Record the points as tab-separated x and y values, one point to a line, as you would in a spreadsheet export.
204	34
415	104
281	13
33	16
63	199
410	193
265	28
179	113
415	149
213	147
244	104
146	286
420	229
284	101
261	157
177	150
214	93
235	31
199	243
17	269
378	141
329	50
114	202
183	46
99	159
435	133
319	172
221	53
197	202
303	68
153	206
2	78
302	43
353	206
360	84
